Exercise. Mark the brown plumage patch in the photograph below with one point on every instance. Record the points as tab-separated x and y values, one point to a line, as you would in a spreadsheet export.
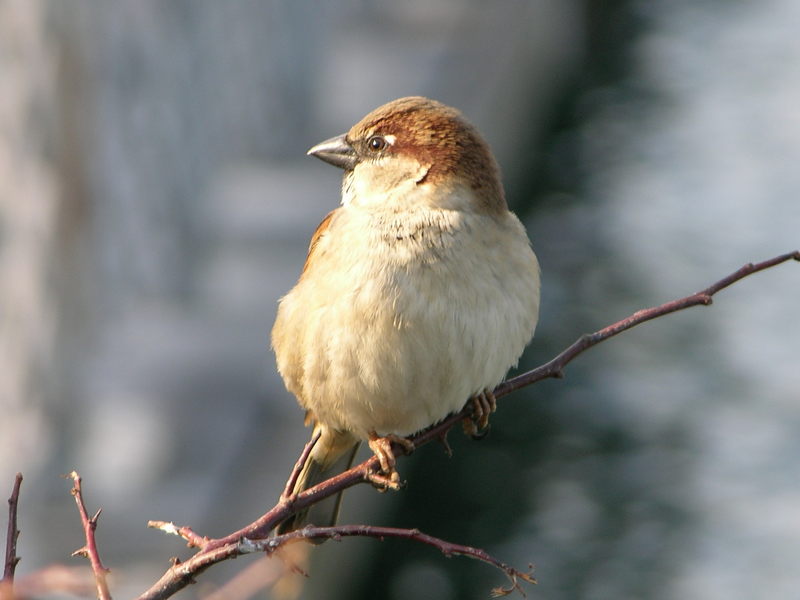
439	136
318	232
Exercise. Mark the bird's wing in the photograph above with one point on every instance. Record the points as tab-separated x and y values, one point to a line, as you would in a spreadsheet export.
320	231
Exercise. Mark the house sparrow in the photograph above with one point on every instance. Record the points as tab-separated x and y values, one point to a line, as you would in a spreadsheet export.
418	293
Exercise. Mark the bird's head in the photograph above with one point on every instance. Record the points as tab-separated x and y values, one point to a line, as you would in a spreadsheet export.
415	150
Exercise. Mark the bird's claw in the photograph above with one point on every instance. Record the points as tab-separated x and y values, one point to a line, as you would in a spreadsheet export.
477	425
387	477
383	482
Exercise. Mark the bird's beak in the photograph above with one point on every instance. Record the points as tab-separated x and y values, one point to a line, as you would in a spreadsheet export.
336	151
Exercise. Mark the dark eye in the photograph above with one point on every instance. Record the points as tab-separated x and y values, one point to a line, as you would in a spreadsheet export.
376	143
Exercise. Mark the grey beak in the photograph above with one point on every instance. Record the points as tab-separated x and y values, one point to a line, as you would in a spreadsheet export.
336	151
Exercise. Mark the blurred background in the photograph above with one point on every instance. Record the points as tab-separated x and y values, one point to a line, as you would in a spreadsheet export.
156	201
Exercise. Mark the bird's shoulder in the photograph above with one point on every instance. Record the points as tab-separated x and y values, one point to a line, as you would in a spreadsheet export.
319	232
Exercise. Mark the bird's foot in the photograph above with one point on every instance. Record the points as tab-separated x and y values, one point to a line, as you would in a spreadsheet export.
477	425
387	477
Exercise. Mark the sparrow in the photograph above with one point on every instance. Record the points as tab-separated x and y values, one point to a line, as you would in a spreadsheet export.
417	295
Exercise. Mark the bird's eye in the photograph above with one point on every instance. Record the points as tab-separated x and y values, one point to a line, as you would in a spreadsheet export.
376	143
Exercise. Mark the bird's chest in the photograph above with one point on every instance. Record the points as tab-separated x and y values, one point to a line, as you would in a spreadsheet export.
402	269
395	326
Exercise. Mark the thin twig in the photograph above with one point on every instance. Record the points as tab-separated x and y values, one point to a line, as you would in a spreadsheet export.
555	367
215	550
90	549
336	532
182	574
12	535
193	539
288	491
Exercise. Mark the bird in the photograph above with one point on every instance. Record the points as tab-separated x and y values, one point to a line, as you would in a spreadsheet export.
418	293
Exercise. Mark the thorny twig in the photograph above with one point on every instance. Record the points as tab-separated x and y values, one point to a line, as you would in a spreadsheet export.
11	536
90	549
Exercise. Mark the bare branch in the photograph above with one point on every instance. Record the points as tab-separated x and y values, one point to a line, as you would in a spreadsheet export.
11	536
555	367
253	537
90	549
337	532
182	574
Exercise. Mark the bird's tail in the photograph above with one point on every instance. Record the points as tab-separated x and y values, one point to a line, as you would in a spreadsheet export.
332	454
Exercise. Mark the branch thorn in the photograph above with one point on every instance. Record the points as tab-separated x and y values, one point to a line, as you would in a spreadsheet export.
93	520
